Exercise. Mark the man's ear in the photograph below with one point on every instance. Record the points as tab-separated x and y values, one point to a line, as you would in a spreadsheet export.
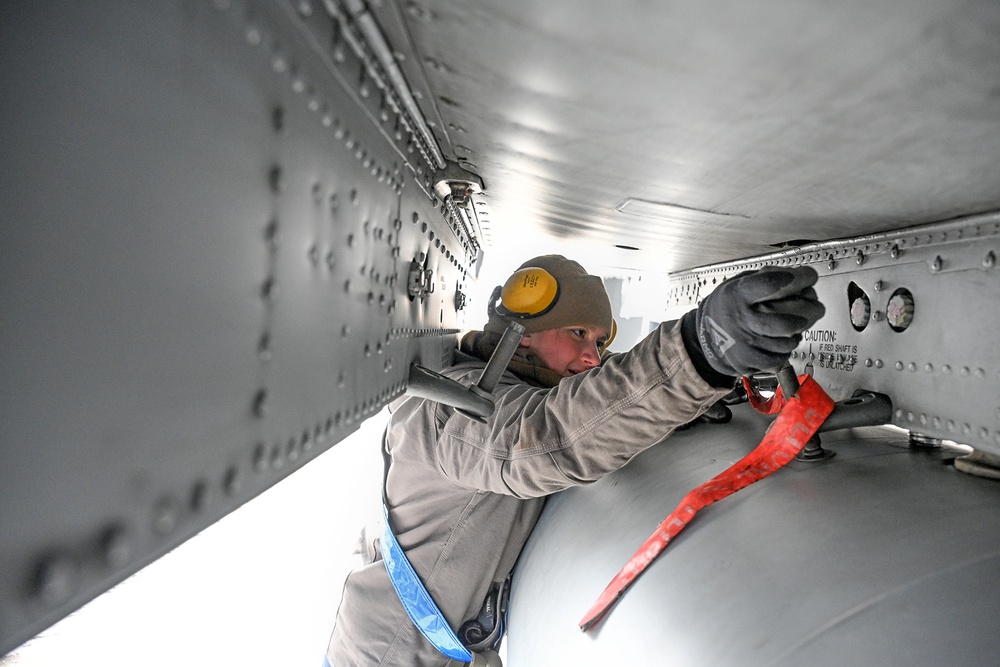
525	341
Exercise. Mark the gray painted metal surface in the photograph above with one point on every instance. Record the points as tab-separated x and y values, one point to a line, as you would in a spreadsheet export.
880	555
703	132
223	243
938	357
209	212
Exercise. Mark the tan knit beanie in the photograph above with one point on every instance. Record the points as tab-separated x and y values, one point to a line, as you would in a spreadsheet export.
582	299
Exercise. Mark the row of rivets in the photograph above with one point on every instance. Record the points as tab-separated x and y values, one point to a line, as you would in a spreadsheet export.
281	64
58	575
905	417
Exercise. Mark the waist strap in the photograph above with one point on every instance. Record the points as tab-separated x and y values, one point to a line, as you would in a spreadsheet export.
419	604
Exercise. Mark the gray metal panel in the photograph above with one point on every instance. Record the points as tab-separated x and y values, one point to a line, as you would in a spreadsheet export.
880	555
943	370
208	221
700	132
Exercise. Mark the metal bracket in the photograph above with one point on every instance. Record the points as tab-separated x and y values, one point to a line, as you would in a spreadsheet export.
419	281
863	409
457	183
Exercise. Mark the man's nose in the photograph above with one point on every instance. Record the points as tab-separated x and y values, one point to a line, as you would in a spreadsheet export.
591	356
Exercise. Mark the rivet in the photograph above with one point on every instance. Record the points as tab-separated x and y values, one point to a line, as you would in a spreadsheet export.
264	352
116	547
269	290
878	363
260	457
946	369
923	420
276	180
260	403
868	363
950	425
911	366
164	517
55	579
345	331
990	260
965	371
929	368
899	365
253	35
878	316
860	258
314	255
331	261
350	240
271	234
894	252
878	285
937	264
199	496
278	119
305	8
984	433
279	63
909	416
980	372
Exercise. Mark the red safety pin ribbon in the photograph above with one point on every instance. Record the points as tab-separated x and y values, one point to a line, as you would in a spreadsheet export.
799	419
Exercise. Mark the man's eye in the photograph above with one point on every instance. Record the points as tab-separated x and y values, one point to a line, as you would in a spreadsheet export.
579	332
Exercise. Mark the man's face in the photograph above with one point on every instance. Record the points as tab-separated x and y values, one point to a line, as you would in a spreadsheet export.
569	350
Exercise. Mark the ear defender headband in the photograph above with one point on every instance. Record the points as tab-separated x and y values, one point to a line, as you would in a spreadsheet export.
529	292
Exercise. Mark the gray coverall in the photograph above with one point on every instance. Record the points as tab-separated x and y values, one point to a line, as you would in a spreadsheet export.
463	496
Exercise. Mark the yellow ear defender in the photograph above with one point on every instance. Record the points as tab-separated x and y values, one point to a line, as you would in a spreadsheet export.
529	292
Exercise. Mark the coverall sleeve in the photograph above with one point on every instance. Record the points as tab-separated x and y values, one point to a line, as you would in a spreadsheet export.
539	441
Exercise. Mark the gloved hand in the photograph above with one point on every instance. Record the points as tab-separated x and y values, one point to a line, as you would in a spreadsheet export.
754	320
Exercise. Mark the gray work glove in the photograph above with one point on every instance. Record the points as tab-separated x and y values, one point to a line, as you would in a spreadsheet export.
754	320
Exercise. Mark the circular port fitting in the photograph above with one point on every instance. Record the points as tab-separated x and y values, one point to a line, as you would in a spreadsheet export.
899	311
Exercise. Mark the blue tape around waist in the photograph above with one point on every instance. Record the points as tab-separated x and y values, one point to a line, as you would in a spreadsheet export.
419	604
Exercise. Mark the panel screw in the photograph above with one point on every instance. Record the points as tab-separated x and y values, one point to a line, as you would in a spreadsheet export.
878	285
937	264
990	260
